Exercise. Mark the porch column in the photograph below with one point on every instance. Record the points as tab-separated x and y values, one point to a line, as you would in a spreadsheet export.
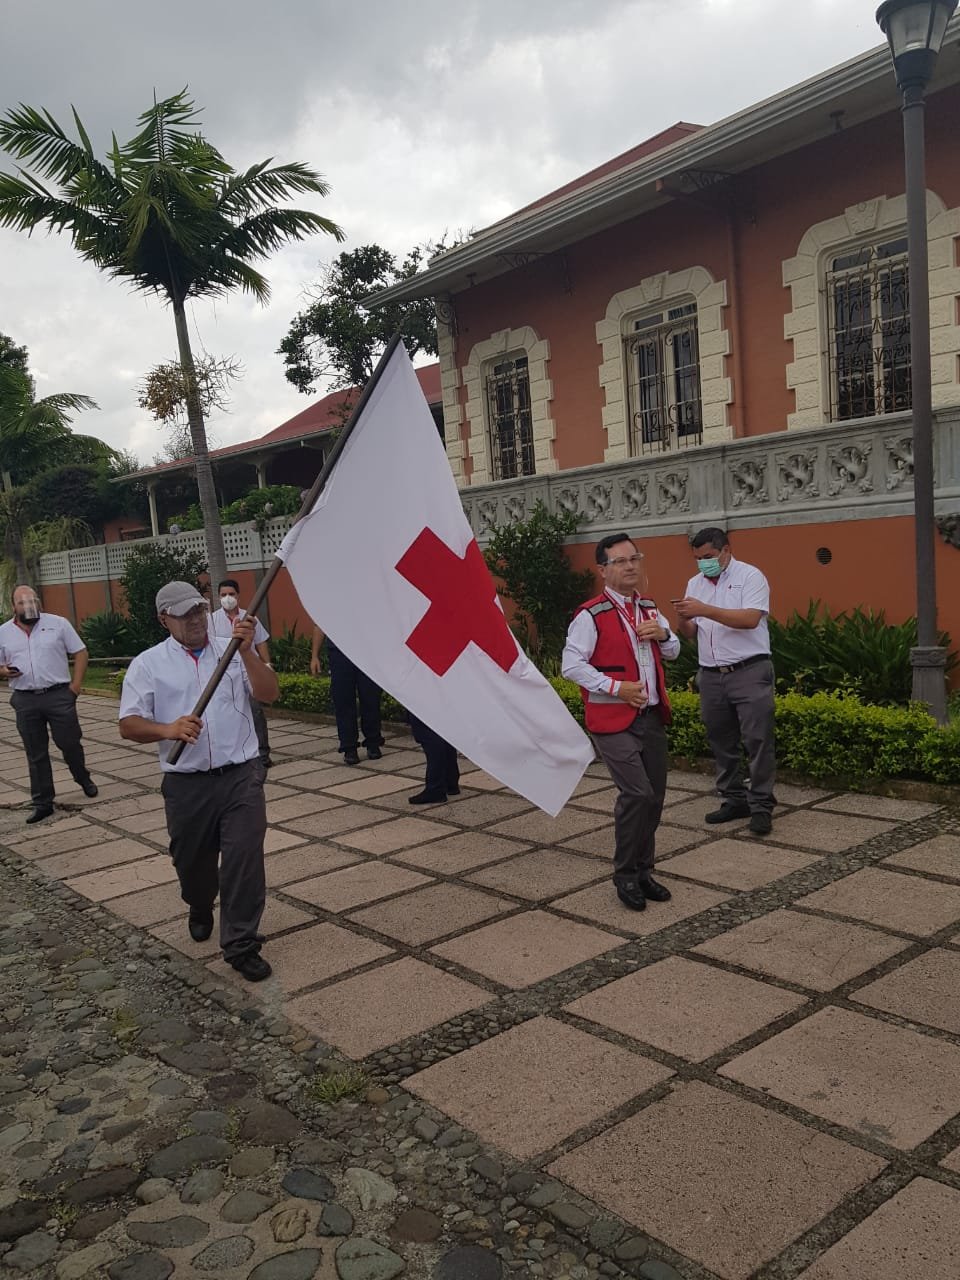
152	500
261	465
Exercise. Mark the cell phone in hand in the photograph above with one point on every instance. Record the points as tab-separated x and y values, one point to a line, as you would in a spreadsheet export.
14	671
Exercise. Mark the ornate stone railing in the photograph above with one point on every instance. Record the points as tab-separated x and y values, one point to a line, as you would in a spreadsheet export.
845	471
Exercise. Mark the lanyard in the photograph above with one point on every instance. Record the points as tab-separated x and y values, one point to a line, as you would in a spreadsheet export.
630	617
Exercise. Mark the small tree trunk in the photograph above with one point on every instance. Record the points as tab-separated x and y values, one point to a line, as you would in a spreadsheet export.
216	555
13	550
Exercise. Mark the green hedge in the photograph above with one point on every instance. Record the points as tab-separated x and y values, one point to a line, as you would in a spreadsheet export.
825	735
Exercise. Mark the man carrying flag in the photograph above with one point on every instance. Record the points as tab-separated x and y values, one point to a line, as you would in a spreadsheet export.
615	648
408	598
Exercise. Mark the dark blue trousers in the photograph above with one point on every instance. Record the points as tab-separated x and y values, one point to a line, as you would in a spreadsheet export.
443	770
348	687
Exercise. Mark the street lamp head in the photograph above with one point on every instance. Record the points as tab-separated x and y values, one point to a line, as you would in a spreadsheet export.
915	31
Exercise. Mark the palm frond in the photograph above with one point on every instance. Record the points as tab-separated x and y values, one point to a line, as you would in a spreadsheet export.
245	193
269	230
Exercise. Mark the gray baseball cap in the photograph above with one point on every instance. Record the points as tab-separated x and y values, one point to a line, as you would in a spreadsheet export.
178	598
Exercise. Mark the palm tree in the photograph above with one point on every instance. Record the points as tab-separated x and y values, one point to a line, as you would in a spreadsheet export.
166	213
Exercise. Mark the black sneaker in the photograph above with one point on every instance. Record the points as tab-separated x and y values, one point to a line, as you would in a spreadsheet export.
428	797
374	753
761	823
252	966
352	756
90	788
728	813
40	812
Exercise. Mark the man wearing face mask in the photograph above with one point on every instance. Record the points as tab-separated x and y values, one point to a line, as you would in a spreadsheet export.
35	649
726	607
221	626
213	795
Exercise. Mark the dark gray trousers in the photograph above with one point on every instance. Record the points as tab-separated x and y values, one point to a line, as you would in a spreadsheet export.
637	761
217	823
260	724
737	713
56	709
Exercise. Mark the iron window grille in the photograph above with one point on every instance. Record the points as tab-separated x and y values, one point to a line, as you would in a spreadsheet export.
663	381
511	421
868	331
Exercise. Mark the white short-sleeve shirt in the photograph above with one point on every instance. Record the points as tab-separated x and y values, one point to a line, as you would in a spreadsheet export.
740	586
164	683
40	652
221	626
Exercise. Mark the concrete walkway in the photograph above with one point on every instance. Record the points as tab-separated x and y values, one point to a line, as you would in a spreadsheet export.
759	1078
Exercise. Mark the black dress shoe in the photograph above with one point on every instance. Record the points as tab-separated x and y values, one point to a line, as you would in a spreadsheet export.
352	756
728	813
761	824
266	762
428	797
374	753
40	812
252	966
453	791
632	896
90	788
655	892
200	924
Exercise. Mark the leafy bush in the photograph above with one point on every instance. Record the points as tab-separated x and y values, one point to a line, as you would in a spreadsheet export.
529	559
148	568
283	499
312	694
857	652
291	653
106	635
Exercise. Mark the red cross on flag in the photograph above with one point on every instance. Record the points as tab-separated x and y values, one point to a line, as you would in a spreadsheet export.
387	566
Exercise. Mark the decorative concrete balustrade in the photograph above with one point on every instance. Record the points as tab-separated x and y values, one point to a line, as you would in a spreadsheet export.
845	471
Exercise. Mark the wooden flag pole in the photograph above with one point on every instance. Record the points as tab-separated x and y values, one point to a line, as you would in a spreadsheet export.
277	564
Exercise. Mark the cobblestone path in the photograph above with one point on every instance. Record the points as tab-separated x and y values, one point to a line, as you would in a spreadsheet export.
472	1063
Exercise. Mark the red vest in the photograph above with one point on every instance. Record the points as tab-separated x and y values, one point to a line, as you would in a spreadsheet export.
614	656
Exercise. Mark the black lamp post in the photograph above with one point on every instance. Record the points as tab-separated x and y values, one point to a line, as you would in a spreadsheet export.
915	31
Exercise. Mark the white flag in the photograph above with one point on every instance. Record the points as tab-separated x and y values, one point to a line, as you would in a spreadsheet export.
387	566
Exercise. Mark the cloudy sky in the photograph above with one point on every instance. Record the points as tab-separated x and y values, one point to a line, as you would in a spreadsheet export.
423	116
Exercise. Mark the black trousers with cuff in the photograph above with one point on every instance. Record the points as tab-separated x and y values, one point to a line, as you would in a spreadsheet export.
55	710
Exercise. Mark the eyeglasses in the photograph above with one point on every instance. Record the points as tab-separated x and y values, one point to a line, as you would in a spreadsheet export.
197	611
635	559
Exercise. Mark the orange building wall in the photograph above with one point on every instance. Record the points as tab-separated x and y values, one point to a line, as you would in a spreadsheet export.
791	194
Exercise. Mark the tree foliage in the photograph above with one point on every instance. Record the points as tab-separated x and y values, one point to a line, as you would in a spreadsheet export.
12	356
35	434
337	337
165	390
167	214
147	569
528	558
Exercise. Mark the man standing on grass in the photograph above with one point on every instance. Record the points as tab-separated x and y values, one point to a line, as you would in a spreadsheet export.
213	795
726	607
35	649
615	648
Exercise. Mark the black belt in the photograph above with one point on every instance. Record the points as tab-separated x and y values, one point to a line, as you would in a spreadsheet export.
47	689
735	666
223	768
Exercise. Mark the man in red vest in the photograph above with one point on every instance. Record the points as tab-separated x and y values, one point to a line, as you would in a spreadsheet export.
615	648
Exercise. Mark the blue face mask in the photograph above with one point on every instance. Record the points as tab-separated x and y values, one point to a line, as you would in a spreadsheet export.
710	568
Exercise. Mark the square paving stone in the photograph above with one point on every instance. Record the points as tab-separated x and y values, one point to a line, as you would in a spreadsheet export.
539	828
879	806
925	990
527	948
788	794
308	956
915	1233
275	840
106	853
289	770
305	861
952	1161
277	917
687	780
878	1079
356	885
401	833
430	913
346	817
726	1182
541	874
690	1009
298	805
557	1078
151	825
384	1006
477	810
455	854
57	837
825	832
891	900
377	784
150	906
812	952
126	808
600	903
738	864
480	781
100	886
939	857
